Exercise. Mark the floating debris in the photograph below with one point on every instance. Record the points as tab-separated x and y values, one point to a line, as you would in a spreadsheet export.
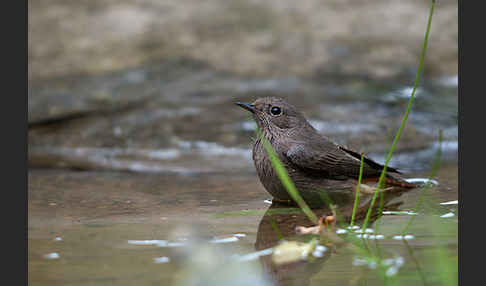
224	240
368	230
292	251
254	255
170	244
421	181
393	264
308	230
58	238
391	271
53	255
163	259
317	253
399	213
447	215
450	203
371	263
147	242
239	235
401	237
325	223
360	261
370	236
268	201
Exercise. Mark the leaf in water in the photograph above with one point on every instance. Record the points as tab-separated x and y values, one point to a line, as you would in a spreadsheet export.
325	223
292	251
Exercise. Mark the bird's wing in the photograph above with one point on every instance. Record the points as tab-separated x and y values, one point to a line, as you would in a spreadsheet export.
332	160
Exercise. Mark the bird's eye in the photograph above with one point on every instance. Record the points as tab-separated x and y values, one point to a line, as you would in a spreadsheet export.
276	110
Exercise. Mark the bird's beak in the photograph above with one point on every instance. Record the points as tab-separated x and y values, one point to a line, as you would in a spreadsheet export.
247	106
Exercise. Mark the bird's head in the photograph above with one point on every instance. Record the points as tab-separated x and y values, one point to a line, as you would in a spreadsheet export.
274	114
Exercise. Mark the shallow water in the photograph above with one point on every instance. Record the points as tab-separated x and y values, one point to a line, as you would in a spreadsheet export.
145	176
96	221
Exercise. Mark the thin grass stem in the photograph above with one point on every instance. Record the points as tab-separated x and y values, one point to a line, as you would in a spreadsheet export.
356	198
405	117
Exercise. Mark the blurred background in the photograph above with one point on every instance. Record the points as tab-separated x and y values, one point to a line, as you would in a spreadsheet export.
112	78
139	96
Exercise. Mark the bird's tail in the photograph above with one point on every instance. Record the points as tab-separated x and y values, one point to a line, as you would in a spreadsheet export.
392	181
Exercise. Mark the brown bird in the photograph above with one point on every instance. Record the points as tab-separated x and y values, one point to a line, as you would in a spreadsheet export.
316	165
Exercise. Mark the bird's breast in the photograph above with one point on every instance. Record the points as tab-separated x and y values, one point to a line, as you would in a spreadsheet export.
261	159
266	173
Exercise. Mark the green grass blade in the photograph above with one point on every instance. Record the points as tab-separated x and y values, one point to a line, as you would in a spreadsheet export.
356	198
405	117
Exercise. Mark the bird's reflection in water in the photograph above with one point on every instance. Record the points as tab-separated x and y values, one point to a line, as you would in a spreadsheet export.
279	222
